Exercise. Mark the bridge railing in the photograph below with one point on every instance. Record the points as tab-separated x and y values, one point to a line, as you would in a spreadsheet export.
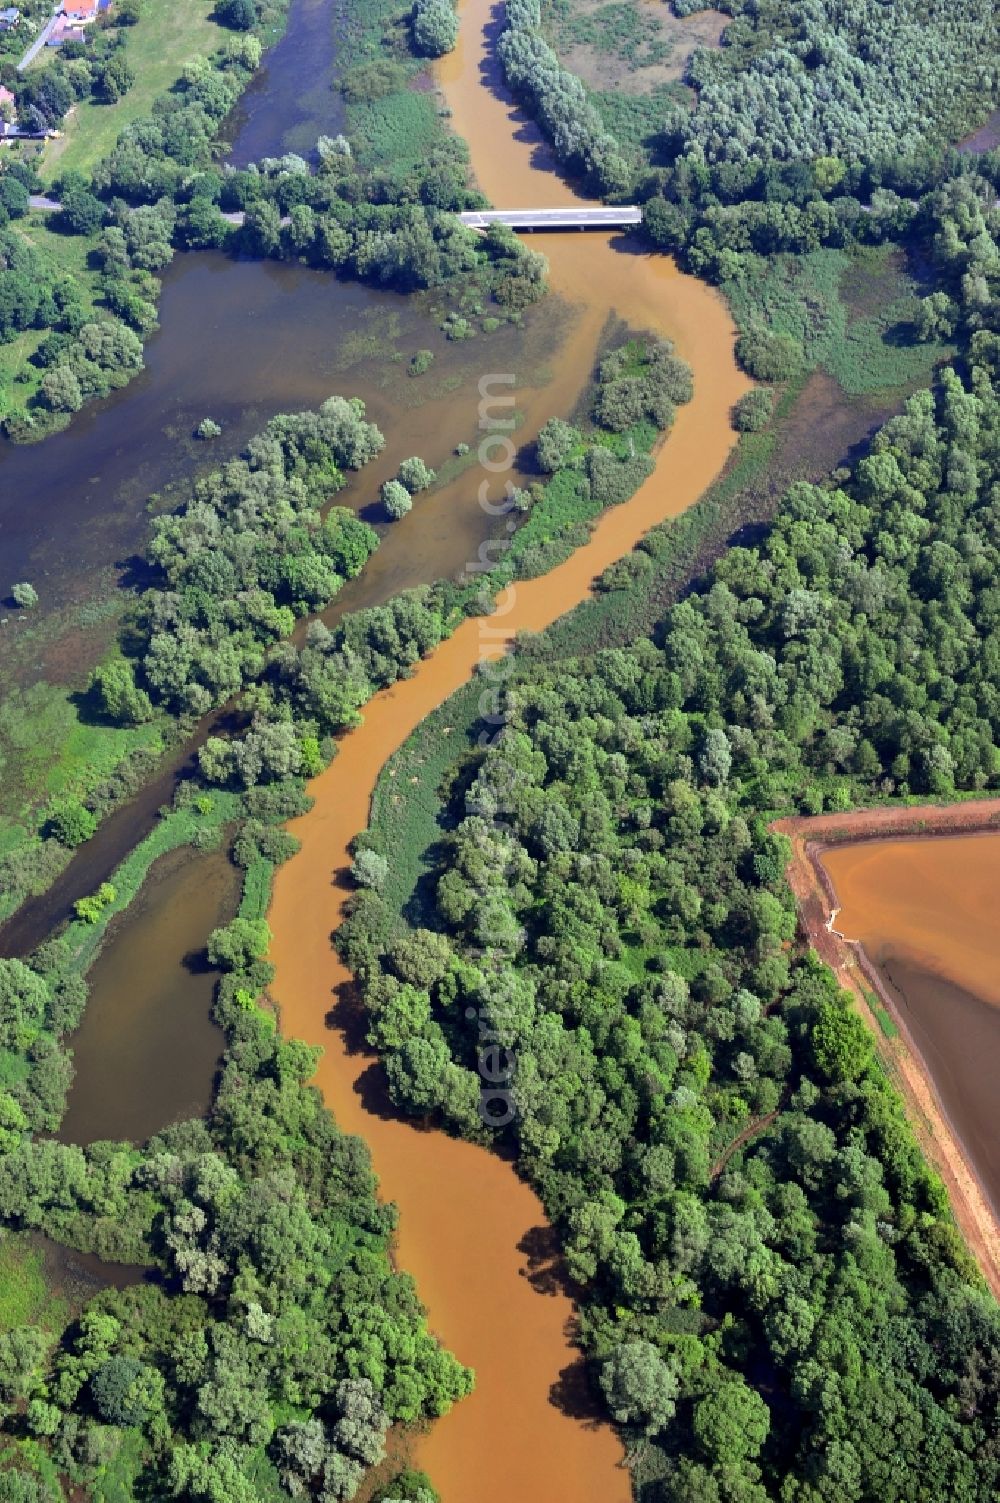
568	217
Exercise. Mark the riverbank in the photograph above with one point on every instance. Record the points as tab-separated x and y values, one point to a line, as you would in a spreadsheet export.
470	1232
457	1205
817	902
468	1226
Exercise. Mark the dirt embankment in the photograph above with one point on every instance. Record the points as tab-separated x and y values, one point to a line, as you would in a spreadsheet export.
817	900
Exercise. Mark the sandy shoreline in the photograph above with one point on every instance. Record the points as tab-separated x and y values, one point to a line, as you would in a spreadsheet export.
817	900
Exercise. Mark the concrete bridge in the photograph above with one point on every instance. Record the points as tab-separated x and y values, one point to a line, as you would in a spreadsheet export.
477	219
569	218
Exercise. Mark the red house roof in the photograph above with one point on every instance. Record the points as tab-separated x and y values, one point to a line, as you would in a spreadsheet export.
80	10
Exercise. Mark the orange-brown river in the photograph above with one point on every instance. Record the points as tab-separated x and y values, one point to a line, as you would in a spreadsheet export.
926	913
464	1214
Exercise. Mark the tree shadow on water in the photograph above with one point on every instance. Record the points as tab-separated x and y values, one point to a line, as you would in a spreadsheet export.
545	1270
197	963
574	1395
347	1016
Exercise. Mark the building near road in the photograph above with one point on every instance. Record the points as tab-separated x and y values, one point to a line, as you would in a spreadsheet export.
8	113
72	17
65	31
10	18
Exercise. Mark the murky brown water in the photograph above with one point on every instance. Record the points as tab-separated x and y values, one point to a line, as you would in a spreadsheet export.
468	1224
472	1234
241	340
147	1050
927	914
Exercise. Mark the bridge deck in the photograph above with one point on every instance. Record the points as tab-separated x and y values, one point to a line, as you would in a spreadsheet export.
569	218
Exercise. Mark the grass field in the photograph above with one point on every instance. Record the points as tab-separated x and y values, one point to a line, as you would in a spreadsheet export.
622	47
407	803
47	747
24	1295
851	312
167	36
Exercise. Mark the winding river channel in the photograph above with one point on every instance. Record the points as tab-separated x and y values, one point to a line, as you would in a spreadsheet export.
469	1227
241	340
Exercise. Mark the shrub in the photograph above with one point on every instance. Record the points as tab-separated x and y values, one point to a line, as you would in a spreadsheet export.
768	356
415	475
61	390
114	688
71	822
241	15
123	1390
455	327
754	410
235	946
369	869
91	908
408	1487
421	362
114	79
614	480
25	595
208	428
370	81
396	499
82	212
435	27
556	442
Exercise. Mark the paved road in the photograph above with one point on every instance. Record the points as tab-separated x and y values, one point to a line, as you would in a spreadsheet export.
568	218
37	44
47	205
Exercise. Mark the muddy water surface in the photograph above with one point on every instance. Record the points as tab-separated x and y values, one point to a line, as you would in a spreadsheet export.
471	1233
240	340
468	1225
148	1018
927	914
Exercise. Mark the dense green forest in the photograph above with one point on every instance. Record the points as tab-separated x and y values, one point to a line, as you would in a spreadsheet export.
580	941
275	1346
803	129
772	1291
774	1294
848	79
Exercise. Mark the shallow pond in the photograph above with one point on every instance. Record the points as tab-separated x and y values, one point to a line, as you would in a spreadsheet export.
926	913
